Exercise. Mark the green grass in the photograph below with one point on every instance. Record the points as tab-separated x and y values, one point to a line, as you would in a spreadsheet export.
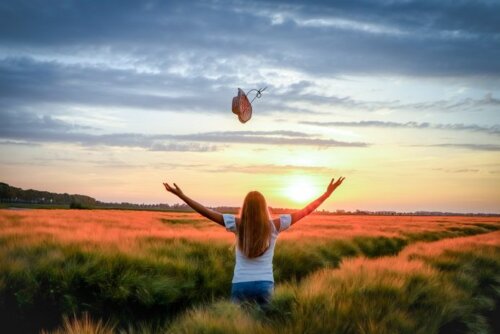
450	293
293	261
166	278
452	232
40	282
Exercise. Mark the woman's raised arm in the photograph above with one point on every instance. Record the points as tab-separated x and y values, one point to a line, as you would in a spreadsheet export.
296	216
202	210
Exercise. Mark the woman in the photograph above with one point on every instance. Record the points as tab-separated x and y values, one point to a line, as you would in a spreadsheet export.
256	233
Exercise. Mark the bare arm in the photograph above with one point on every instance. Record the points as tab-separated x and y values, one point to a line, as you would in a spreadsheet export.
296	216
202	210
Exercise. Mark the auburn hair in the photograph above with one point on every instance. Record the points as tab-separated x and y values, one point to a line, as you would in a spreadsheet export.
254	229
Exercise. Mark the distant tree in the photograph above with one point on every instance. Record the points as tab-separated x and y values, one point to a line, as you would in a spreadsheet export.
13	194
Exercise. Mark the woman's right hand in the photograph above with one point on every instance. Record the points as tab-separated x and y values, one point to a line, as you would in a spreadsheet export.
174	190
332	186
202	210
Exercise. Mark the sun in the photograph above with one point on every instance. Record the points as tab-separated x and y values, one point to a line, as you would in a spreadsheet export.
300	190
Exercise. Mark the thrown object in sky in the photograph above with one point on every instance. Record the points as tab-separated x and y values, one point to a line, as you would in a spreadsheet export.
242	106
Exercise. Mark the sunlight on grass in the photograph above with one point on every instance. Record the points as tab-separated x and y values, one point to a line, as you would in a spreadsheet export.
400	294
83	325
145	272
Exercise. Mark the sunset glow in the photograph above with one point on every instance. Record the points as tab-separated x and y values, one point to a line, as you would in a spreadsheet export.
113	116
301	190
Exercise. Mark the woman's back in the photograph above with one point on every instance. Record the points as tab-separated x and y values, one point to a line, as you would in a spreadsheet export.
253	278
259	268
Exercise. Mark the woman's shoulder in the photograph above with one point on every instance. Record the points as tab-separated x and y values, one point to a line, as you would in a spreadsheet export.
282	222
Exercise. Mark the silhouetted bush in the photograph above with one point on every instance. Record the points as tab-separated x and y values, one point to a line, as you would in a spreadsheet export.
78	206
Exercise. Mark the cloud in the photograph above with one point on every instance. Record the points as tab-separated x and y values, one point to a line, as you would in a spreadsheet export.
31	83
275	169
457	170
449	16
465	104
190	56
451	105
415	38
347	24
469	146
30	128
268	138
182	147
424	38
18	143
494	129
180	56
28	82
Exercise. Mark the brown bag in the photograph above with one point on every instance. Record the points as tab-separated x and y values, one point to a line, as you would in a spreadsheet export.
242	107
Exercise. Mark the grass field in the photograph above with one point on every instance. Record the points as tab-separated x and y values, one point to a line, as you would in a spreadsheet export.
146	272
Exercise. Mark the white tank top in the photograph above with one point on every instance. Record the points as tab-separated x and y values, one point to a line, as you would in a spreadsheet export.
259	268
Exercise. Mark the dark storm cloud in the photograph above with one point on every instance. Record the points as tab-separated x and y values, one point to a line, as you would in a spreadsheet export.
495	129
412	37
27	82
189	56
26	127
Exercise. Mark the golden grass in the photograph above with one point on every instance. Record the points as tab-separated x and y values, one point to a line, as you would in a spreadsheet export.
83	325
122	229
200	255
407	293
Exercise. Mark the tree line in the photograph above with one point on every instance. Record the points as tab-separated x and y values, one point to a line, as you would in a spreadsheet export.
10	194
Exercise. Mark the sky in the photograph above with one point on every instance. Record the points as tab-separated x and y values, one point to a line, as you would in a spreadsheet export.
112	98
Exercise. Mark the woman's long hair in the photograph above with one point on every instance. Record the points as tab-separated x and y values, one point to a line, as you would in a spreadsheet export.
254	230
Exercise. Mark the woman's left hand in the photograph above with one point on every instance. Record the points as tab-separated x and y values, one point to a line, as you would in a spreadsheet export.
174	190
